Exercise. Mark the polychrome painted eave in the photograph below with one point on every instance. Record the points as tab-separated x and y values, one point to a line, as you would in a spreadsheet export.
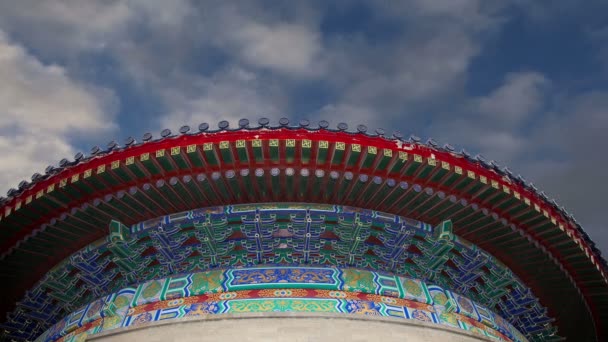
507	216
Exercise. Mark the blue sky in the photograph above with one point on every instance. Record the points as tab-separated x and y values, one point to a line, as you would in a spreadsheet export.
524	83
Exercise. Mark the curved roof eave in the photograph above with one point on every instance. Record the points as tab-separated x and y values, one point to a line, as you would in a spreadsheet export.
580	258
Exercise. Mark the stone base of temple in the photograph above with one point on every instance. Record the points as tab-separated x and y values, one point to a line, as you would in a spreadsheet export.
287	326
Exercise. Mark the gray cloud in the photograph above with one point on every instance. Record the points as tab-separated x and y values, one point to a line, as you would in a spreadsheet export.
574	173
599	39
495	124
421	70
556	142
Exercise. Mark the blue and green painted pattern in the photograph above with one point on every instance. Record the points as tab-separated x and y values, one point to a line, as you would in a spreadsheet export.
282	277
315	235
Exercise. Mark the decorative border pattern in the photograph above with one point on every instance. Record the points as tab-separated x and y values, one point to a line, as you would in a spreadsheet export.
277	288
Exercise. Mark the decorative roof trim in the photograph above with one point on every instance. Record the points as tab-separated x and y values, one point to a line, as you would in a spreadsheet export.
68	169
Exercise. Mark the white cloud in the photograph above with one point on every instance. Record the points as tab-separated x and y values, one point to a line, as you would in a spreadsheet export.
496	124
417	71
285	40
229	94
521	95
69	26
288	48
40	108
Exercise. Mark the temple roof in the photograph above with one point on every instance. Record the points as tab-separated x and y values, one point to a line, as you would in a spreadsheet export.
44	221
332	238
